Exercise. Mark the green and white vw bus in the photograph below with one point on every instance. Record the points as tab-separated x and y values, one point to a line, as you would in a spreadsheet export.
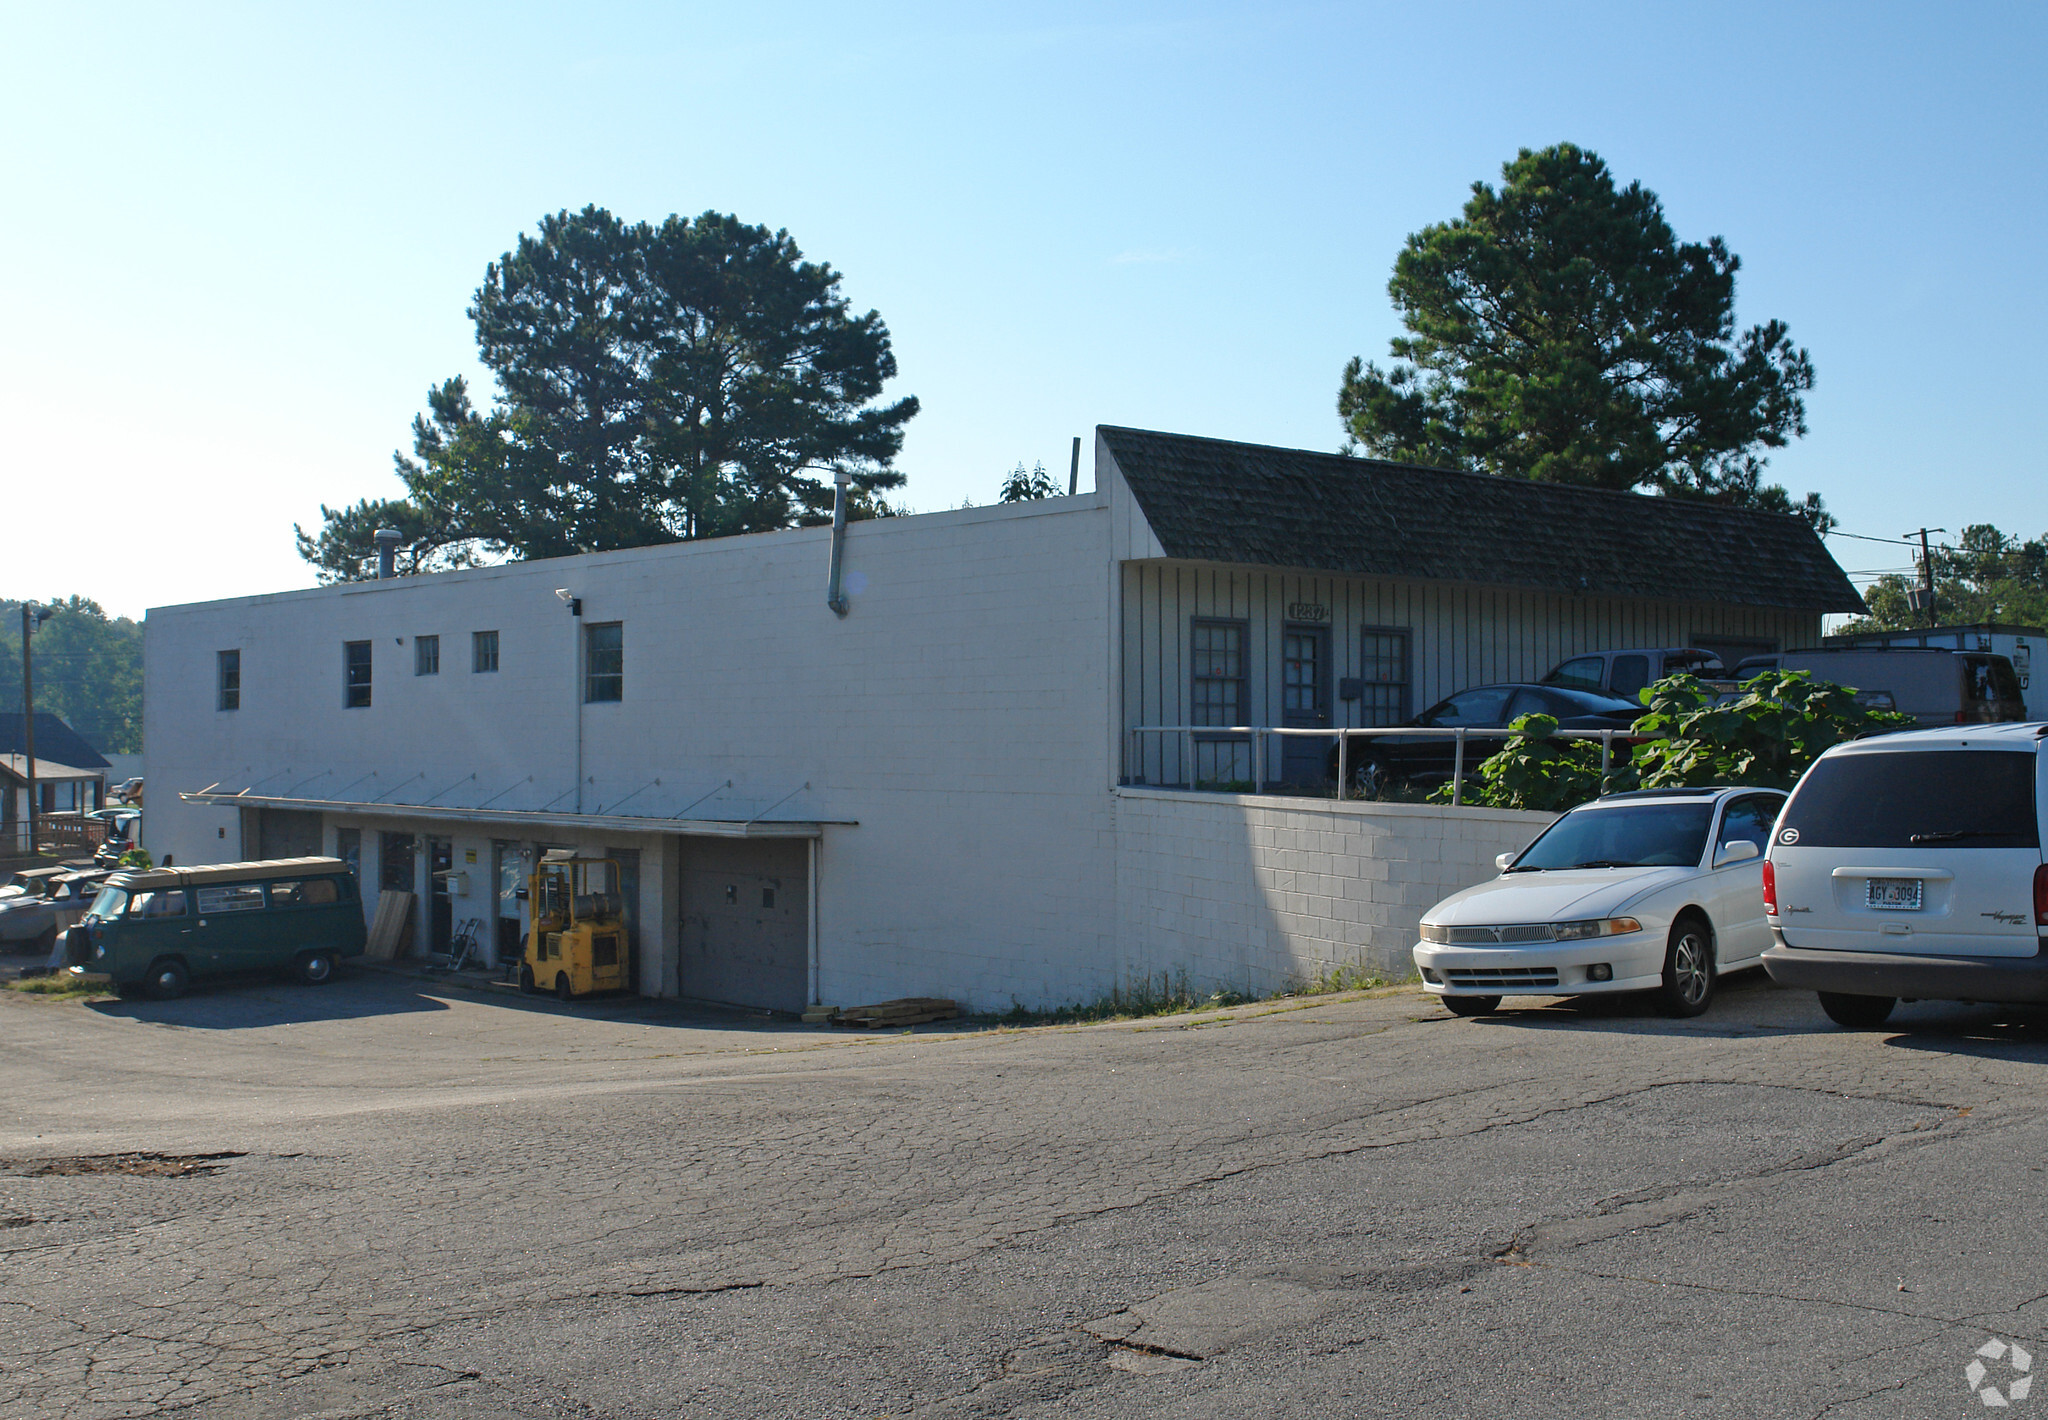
156	930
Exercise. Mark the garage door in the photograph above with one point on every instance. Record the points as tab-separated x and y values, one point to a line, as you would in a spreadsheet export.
745	938
288	833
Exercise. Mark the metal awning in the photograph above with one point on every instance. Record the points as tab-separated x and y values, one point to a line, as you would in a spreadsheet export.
517	818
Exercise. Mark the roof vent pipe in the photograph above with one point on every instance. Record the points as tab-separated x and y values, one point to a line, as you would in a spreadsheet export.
387	540
834	597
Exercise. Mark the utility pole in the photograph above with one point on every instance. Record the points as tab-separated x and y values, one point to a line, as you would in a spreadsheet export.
32	616
1927	571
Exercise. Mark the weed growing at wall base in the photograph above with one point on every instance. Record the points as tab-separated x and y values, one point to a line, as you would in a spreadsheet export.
1171	995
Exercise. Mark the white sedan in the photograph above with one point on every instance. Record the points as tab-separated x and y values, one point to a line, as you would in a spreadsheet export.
1657	890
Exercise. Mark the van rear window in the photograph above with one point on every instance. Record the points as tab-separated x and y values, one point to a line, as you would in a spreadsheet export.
1990	678
1937	799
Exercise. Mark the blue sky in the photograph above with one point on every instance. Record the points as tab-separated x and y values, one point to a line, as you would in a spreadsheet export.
240	240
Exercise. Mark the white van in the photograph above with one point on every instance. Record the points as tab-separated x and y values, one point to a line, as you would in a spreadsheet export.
1935	687
1910	867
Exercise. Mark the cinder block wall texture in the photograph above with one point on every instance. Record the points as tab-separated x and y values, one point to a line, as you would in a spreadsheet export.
1253	893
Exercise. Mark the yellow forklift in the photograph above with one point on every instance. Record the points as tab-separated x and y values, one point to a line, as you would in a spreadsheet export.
577	943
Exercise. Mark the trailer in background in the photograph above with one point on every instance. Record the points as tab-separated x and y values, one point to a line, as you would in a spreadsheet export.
2016	643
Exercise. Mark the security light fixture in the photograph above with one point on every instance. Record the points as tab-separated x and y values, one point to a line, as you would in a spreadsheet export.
570	600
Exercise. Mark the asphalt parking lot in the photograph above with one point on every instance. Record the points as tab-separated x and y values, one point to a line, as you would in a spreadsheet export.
387	1198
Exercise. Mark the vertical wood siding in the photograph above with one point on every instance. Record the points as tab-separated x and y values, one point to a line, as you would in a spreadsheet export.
1459	635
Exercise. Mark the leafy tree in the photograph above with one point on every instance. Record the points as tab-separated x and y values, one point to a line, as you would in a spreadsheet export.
1022	487
88	669
658	383
1559	331
1986	576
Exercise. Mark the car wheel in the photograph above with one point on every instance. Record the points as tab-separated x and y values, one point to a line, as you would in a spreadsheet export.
565	990
166	980
1857	1012
314	968
1372	778
526	985
1471	1005
1688	987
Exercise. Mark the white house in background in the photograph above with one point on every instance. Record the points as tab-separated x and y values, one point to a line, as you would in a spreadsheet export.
951	789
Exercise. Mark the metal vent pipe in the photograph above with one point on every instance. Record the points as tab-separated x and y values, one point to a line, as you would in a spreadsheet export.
834	596
387	540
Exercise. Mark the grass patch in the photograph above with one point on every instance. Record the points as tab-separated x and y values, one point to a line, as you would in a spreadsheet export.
1346	978
1172	996
1167	996
63	986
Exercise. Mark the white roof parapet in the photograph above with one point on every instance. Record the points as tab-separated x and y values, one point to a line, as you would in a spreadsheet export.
623	823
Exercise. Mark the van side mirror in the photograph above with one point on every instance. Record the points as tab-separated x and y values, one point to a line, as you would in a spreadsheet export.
1502	860
1740	850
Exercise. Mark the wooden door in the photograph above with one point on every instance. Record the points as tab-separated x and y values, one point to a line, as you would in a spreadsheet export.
1304	702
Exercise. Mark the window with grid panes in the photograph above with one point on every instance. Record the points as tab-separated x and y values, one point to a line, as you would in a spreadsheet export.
1218	663
604	662
1300	678
355	661
1383	666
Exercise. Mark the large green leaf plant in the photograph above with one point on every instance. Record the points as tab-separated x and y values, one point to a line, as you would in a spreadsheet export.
1696	735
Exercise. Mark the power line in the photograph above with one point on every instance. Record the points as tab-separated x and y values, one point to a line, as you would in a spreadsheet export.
1865	537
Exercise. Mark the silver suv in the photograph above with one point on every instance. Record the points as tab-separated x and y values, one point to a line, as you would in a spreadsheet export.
1910	867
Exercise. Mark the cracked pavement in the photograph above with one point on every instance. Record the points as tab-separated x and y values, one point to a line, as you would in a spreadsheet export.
423	1202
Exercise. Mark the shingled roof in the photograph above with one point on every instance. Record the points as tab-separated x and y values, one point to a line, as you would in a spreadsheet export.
55	740
1211	500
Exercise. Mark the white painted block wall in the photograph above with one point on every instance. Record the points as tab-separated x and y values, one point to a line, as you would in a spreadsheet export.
956	716
1254	893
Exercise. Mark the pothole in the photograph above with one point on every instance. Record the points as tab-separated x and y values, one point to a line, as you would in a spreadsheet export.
140	1165
1139	1362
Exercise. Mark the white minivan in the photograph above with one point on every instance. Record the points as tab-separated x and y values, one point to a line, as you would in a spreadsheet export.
1909	867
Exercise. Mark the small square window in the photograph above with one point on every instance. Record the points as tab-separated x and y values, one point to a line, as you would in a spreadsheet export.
604	662
426	655
230	680
483	647
355	661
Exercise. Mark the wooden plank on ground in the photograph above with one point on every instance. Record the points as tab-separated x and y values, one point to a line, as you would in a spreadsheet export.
388	928
906	1011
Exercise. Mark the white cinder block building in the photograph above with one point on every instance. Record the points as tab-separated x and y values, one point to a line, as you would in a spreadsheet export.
954	789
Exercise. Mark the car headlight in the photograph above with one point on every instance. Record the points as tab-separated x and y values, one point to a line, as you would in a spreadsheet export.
1433	933
1599	927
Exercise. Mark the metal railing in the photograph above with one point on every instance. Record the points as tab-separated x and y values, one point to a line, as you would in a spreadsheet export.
1257	735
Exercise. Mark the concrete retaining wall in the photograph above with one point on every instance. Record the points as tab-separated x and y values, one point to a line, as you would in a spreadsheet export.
1250	892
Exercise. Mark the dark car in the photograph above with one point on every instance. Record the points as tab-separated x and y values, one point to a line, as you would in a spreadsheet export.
1377	761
